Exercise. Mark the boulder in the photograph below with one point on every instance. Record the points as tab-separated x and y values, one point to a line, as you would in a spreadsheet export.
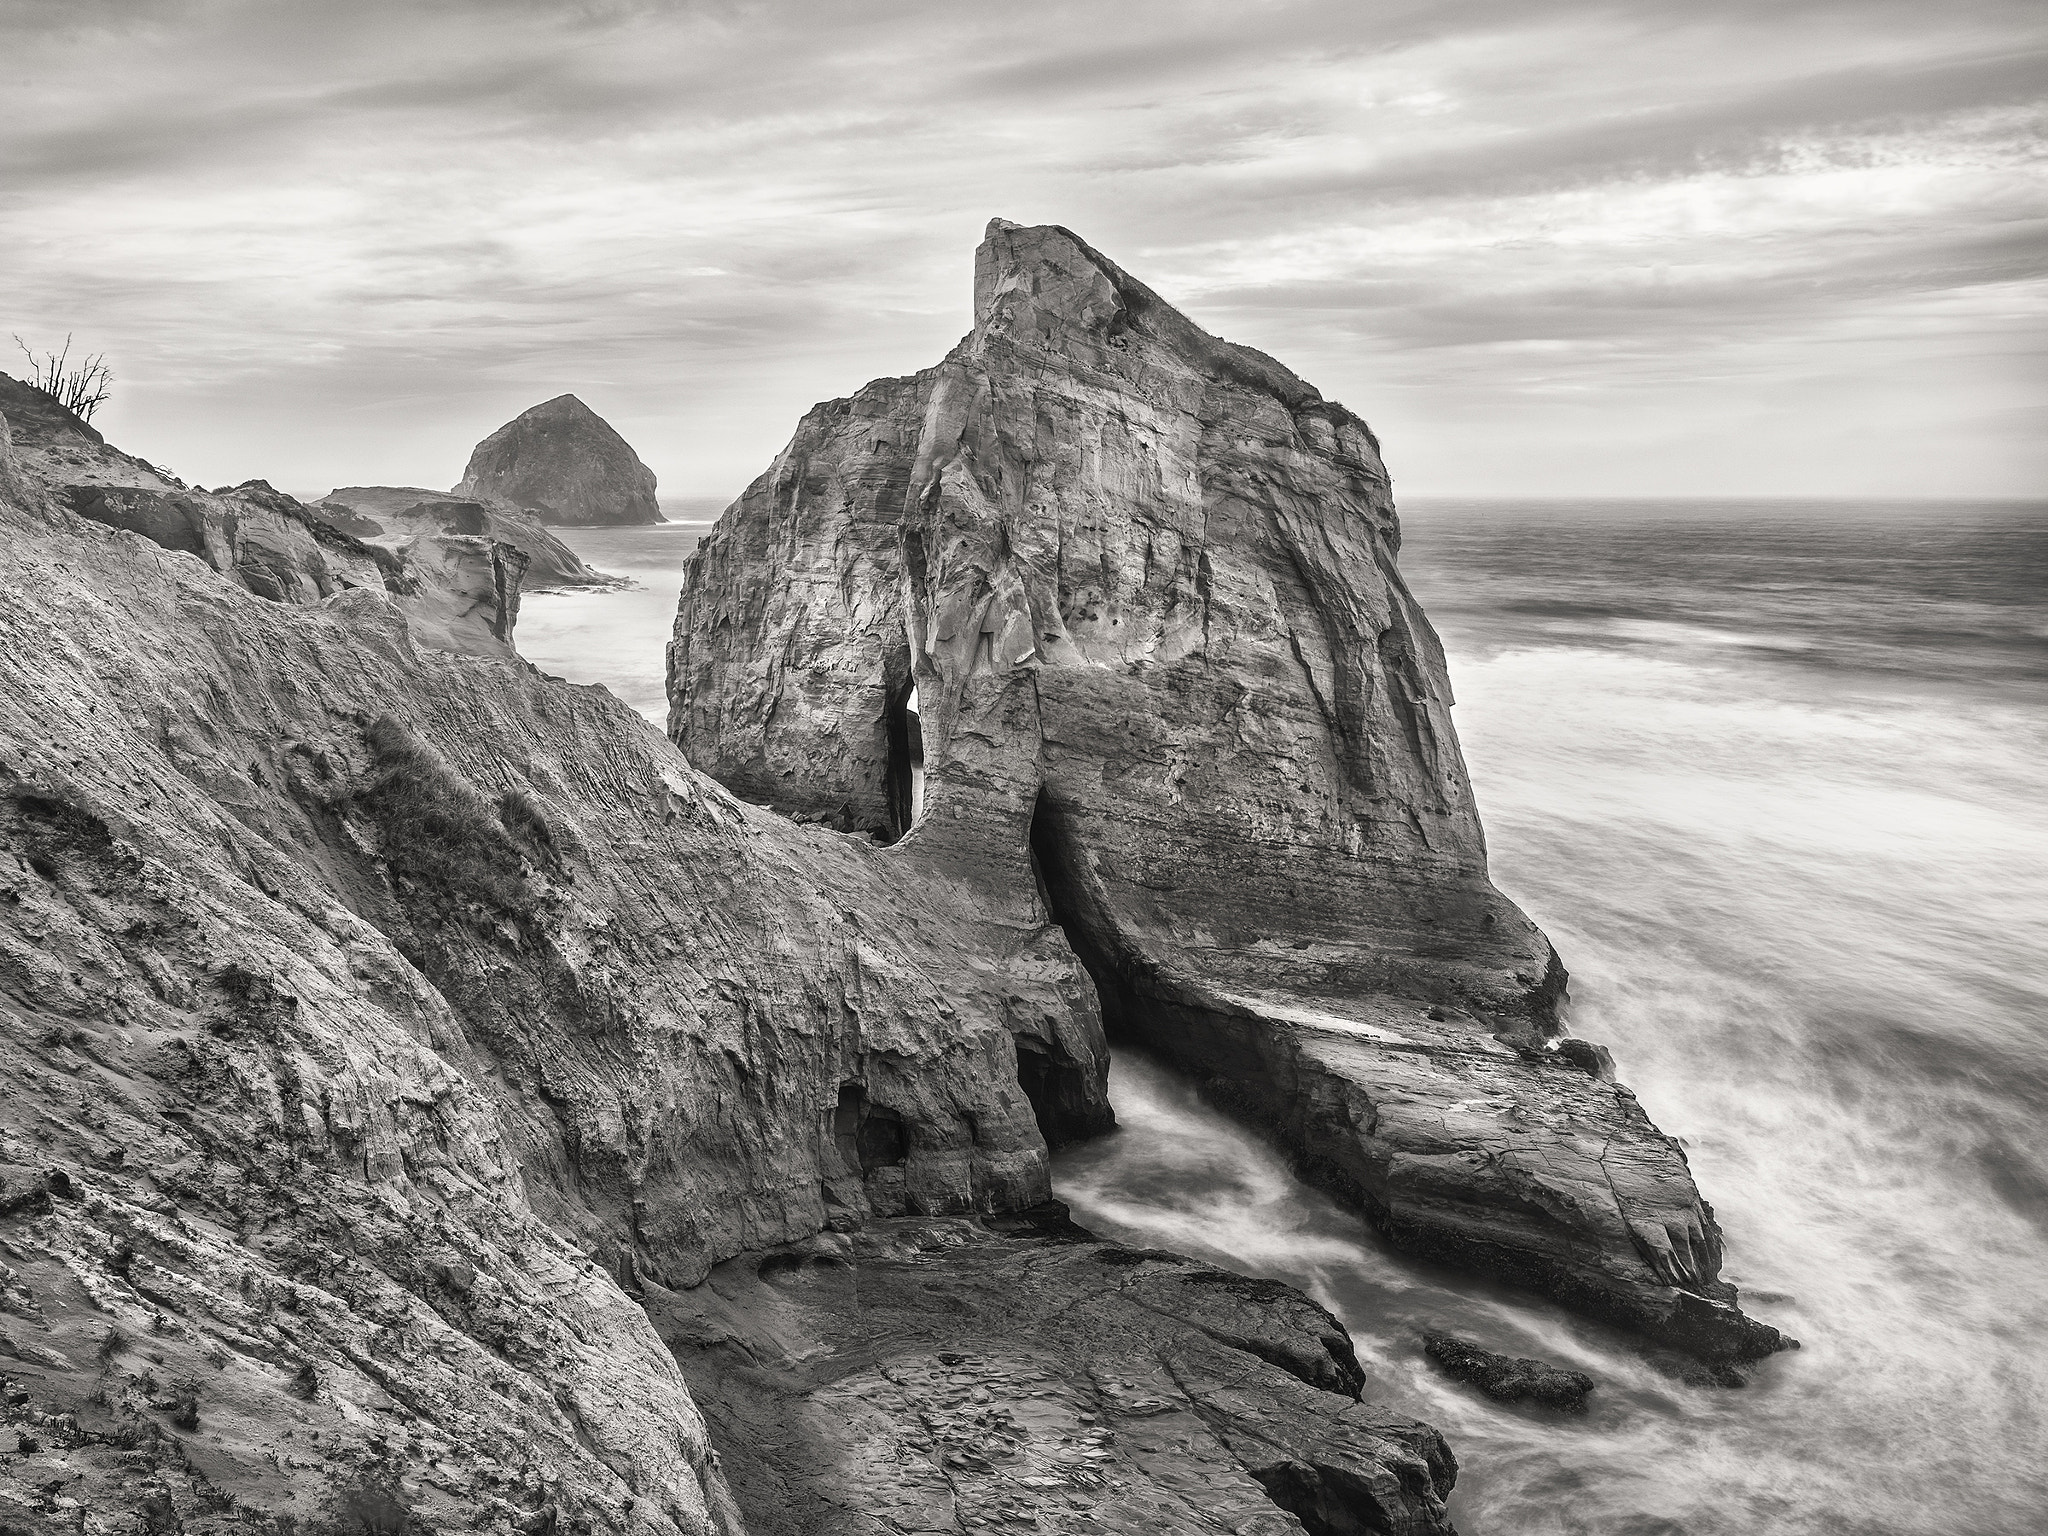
564	463
1507	1378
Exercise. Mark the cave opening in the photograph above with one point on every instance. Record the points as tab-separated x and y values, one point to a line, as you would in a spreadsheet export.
869	1135
1068	1100
1056	862
906	758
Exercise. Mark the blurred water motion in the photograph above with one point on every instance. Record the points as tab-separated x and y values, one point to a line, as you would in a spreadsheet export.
1774	777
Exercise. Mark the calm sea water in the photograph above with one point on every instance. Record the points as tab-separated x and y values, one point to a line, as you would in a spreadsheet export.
616	636
1774	777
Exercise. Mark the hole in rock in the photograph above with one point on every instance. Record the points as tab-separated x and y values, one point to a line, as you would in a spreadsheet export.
1069	1103
1058	1090
869	1135
906	760
1326	1500
1057	859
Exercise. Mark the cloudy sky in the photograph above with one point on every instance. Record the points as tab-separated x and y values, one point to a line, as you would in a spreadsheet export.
1548	248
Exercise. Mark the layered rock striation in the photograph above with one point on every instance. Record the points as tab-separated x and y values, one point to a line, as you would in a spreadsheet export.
394	515
459	586
387	1029
563	462
1170	692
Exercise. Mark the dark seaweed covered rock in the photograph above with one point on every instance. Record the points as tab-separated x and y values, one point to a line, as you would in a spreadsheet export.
1508	1378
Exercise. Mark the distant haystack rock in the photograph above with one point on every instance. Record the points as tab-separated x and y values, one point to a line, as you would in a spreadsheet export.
563	462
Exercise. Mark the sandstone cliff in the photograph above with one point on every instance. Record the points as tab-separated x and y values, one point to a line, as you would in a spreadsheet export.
384	1022
1170	687
563	461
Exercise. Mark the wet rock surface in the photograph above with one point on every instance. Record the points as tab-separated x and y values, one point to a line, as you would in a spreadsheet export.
563	462
1170	686
939	1377
1508	1378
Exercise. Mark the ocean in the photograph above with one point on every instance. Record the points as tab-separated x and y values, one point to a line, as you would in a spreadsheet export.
1774	778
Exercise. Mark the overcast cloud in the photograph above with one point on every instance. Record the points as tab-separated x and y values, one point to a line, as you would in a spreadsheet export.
1545	248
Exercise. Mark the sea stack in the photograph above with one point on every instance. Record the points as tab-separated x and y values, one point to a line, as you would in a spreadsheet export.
563	462
1142	586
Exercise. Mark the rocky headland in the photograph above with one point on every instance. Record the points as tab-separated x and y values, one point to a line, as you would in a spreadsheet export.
394	515
562	462
1174	700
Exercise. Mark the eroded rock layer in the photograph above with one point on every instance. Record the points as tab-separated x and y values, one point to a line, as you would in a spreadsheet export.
376	1017
458	585
1141	587
933	1376
393	515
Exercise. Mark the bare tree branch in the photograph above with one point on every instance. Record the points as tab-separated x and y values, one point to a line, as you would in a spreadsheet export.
81	390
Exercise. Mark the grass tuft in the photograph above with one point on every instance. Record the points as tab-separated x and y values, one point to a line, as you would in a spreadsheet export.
437	829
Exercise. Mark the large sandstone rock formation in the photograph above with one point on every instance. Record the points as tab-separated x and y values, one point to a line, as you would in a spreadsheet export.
381	1022
394	515
562	461
1172	690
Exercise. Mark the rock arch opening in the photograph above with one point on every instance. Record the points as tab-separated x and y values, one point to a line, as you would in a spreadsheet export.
1069	1097
906	759
871	1136
1058	862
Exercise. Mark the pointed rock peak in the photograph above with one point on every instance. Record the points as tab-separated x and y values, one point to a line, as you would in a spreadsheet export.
1042	285
564	462
1045	269
561	405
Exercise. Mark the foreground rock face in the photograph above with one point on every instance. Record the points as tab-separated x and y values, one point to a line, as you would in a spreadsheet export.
1171	687
376	1016
393	515
562	461
937	1377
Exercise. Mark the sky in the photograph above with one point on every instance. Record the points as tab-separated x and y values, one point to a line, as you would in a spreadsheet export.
1724	247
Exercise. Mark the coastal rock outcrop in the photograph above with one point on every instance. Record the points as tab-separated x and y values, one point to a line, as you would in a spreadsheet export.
394	515
933	1376
1508	1378
461	587
1132	592
382	1024
563	462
